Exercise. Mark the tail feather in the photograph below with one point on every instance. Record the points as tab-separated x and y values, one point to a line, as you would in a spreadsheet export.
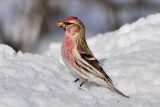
116	90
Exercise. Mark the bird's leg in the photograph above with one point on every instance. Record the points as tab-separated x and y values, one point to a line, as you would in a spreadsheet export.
84	81
76	80
81	84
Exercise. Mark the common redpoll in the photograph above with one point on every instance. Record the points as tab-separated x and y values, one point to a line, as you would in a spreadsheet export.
78	57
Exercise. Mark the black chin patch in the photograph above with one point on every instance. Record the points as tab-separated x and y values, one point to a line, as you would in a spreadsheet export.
64	29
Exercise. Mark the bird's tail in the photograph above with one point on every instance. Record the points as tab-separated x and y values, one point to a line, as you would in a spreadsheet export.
116	90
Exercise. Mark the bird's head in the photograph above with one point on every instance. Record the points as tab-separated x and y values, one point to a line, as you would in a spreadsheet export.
72	24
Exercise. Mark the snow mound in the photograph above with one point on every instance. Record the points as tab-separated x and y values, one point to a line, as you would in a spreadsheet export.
130	56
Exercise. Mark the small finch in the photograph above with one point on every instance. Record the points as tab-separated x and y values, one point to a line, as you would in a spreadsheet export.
78	57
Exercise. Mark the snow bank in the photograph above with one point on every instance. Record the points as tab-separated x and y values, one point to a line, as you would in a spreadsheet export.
130	56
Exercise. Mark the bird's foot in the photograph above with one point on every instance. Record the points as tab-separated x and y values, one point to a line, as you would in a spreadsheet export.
81	85
84	82
76	80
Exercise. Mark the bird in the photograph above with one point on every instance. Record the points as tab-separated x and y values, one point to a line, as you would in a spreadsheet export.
78	57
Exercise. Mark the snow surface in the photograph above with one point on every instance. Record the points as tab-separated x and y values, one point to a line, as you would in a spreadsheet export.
130	56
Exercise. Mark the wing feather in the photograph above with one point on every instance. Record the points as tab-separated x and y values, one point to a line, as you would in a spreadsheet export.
87	55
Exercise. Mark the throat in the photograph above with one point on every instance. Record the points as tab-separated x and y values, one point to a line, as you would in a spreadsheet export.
72	32
68	31
67	42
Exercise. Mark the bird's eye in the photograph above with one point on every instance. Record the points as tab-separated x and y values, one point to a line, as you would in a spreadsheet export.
67	23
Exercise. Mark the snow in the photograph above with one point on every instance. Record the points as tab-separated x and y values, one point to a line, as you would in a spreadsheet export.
130	56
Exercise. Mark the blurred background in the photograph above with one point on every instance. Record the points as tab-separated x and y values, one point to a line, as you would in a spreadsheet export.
31	25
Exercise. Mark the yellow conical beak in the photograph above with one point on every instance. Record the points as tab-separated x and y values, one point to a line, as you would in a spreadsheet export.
61	24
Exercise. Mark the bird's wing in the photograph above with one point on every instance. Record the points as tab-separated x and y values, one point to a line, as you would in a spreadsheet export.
89	58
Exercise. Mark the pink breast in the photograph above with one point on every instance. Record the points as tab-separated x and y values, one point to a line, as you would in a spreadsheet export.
67	49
